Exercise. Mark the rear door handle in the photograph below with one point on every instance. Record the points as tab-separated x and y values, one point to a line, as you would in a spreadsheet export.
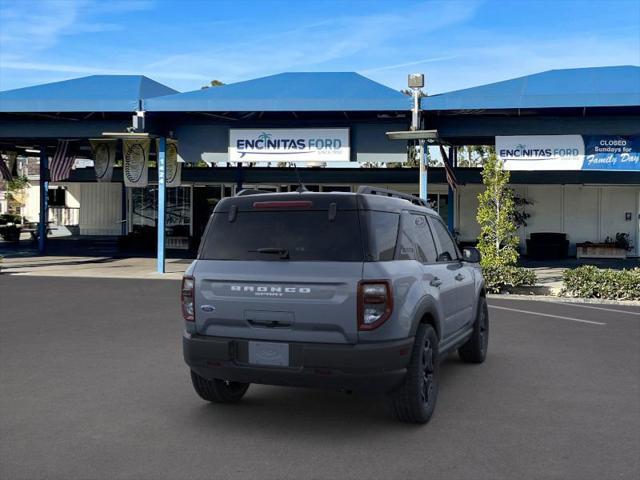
436	282
459	277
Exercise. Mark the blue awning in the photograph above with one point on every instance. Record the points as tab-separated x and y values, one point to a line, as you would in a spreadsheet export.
570	88
288	92
96	93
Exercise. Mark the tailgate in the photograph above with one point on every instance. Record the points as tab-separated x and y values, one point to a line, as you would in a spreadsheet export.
280	301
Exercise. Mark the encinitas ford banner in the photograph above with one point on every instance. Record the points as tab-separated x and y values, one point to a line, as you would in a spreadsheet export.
541	152
289	145
569	152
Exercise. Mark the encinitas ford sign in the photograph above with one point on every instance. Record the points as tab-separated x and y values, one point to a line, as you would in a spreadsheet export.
289	145
541	152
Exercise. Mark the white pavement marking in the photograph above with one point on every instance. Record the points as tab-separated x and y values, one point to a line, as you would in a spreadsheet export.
597	308
547	315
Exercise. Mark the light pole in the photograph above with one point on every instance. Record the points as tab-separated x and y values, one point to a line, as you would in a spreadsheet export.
416	83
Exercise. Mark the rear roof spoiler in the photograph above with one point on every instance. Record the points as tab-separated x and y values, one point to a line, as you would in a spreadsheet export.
250	191
368	190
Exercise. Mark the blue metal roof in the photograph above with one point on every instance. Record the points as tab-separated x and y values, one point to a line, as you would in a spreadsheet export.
288	92
96	93
576	87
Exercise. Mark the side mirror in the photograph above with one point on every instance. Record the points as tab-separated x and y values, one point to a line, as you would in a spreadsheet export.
471	255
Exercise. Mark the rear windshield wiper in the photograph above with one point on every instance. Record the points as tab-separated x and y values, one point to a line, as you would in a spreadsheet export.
283	252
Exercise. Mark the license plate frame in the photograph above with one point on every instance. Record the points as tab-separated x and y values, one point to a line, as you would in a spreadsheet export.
269	354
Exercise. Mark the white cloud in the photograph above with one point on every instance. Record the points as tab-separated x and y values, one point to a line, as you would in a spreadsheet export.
30	27
348	40
408	64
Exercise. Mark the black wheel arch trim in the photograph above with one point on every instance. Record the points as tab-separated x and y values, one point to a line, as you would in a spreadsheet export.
427	307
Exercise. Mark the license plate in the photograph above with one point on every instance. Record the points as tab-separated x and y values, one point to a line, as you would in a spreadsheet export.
269	353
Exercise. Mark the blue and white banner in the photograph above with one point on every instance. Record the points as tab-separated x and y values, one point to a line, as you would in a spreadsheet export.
289	145
610	152
569	152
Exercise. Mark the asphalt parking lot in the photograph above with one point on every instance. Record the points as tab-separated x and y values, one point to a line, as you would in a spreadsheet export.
93	386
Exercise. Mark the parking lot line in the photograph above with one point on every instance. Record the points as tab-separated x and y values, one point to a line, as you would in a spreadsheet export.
599	308
547	315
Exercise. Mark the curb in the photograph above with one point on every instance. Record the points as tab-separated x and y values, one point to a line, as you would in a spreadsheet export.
533	290
555	299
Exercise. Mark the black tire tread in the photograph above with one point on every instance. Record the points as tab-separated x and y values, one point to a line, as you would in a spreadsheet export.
404	403
471	351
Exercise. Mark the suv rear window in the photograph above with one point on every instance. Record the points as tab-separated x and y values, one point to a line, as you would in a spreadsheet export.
293	235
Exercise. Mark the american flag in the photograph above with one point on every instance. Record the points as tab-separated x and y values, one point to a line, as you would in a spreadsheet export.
62	161
5	172
448	169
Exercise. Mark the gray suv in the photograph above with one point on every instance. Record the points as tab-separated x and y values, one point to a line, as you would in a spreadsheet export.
361	291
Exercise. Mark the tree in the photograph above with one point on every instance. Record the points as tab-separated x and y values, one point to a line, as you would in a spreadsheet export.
497	242
16	189
213	83
474	155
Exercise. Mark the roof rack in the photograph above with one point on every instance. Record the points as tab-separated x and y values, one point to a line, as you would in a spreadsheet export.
250	191
366	189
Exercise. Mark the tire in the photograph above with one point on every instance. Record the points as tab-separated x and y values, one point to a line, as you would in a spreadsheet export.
475	349
218	391
415	400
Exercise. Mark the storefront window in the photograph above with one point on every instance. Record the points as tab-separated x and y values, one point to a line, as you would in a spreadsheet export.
144	209
440	203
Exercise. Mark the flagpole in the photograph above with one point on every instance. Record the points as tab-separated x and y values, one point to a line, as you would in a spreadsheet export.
44	200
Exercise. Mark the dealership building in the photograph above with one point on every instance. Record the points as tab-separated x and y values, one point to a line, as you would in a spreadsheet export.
571	139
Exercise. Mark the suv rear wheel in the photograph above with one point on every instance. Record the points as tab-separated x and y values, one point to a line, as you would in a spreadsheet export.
475	349
415	400
219	391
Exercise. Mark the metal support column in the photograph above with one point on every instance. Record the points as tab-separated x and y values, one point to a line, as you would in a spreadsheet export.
423	169
124	230
421	146
162	190
44	200
453	157
239	176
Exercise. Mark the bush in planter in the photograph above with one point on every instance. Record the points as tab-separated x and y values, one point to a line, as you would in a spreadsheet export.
502	277
592	282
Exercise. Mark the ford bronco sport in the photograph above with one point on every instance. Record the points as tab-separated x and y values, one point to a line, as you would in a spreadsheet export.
361	291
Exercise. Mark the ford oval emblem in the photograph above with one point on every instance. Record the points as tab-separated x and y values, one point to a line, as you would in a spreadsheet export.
207	308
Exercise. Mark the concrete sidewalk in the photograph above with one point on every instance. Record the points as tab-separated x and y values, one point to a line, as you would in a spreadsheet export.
549	276
94	267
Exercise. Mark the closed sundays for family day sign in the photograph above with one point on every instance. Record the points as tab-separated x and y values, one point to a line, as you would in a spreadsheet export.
569	152
289	145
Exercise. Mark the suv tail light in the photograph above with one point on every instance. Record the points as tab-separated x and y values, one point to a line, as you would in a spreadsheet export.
186	298
375	303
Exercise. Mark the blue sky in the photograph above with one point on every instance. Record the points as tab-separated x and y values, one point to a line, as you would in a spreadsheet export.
184	44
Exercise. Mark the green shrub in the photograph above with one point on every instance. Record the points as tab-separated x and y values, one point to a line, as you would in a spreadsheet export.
592	282
501	277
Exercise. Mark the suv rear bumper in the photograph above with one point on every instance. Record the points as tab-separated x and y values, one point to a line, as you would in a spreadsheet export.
375	367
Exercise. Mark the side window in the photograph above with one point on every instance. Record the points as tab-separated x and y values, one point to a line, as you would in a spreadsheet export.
406	242
447	251
426	248
382	234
